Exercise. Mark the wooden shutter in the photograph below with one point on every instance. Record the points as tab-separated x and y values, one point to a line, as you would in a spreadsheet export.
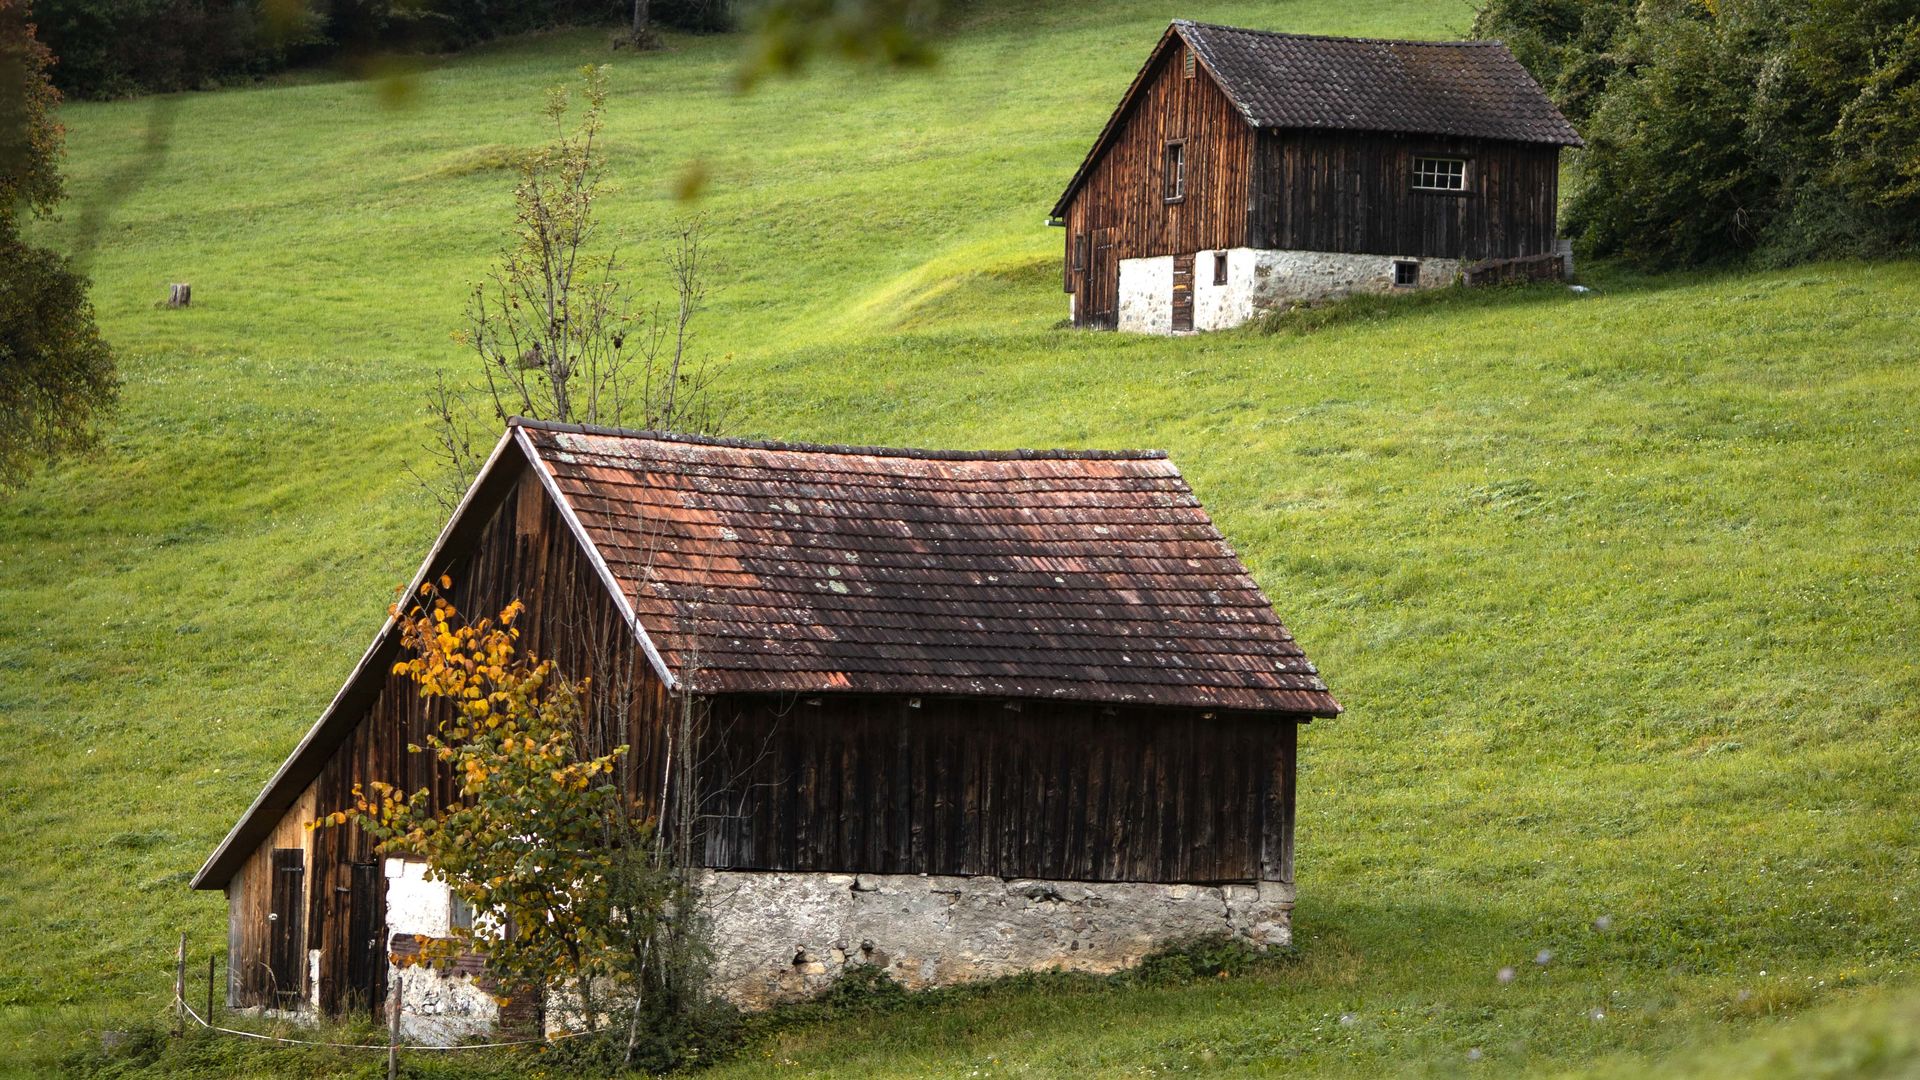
286	944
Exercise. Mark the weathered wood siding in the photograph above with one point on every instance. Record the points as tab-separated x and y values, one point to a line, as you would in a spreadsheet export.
250	934
1053	790
527	553
847	783
1124	190
1353	192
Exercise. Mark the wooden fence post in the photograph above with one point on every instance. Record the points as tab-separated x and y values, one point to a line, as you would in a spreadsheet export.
209	1017
180	988
393	1026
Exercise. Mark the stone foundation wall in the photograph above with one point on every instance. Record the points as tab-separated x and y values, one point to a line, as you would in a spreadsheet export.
1259	281
780	937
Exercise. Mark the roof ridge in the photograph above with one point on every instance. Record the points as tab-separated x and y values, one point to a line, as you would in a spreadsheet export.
836	448
1475	42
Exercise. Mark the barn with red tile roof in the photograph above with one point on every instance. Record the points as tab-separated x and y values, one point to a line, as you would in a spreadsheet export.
912	666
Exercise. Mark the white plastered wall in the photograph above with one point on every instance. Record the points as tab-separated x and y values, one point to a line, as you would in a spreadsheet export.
437	1007
1259	281
1146	295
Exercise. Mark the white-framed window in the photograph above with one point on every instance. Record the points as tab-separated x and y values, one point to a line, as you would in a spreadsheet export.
1439	174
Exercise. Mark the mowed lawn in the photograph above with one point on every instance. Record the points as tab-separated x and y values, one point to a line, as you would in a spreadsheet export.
1622	590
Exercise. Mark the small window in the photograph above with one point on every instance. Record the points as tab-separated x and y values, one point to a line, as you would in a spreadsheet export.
1219	268
1080	252
459	912
1191	65
1439	174
1176	171
1406	274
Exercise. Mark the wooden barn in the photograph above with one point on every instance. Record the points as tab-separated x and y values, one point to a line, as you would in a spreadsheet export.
1245	170
1034	693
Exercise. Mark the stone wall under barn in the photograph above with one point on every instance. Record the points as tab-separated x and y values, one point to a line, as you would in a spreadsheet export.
1260	281
785	936
781	937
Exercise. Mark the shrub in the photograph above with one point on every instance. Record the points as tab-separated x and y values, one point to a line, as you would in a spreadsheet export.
1777	130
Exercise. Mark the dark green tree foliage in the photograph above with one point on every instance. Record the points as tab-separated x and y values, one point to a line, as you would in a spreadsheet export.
116	47
56	374
1567	44
1779	130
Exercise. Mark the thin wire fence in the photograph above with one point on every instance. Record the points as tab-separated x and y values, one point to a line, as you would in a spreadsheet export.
396	1005
193	1014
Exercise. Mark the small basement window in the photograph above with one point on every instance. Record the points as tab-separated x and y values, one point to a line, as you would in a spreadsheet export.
1176	171
459	912
1439	174
1219	268
1406	273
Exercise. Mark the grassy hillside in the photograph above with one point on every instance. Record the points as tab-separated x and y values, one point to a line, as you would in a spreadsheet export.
1621	590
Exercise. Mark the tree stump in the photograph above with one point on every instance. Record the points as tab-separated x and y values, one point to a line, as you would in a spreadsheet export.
179	295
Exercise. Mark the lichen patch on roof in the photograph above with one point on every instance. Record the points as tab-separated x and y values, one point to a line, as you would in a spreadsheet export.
1076	575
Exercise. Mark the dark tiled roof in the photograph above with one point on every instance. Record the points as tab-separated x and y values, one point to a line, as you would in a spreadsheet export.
775	567
1467	88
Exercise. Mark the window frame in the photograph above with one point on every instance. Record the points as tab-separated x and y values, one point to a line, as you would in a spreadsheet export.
1415	173
1173	167
1219	268
456	905
1407	265
1080	245
1190	64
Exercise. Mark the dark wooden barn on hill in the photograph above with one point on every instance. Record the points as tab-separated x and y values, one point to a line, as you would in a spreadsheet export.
1021	665
1245	169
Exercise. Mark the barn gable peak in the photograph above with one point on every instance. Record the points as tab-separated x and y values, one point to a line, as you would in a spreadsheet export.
1282	81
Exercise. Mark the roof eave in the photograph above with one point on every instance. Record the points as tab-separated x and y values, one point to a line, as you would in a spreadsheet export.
1175	29
274	798
592	550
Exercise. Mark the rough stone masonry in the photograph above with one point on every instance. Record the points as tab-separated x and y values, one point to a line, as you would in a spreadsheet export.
784	936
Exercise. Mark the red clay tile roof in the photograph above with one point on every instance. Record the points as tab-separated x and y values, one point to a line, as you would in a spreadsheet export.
775	567
1466	88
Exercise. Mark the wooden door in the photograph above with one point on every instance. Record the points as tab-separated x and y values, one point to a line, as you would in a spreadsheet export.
366	939
1103	282
1182	292
286	943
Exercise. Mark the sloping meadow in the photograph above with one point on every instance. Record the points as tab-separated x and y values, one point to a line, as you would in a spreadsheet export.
1619	588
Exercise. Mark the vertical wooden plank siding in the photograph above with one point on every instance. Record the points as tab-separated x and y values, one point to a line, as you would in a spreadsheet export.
250	900
1353	192
525	552
840	783
1055	790
1124	190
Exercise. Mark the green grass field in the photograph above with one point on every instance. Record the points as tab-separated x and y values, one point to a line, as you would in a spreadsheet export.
1622	591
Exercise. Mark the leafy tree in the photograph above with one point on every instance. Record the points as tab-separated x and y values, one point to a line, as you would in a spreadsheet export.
57	381
1721	129
1876	142
555	327
573	891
